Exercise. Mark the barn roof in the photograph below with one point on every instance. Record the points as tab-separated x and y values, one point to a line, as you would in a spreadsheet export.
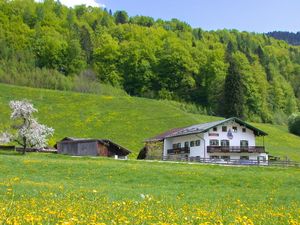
102	141
202	128
74	139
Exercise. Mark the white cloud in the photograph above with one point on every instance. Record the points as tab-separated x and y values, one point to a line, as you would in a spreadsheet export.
72	3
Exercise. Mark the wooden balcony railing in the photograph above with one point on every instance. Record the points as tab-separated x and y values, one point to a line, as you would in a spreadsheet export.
235	149
175	151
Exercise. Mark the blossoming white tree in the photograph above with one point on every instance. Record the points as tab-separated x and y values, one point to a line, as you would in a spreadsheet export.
5	138
29	132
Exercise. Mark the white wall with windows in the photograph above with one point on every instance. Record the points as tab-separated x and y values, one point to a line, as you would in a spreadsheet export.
230	134
194	142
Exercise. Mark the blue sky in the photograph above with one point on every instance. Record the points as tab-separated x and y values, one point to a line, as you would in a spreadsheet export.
248	15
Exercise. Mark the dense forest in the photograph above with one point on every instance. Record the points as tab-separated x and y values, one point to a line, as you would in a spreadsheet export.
226	72
289	37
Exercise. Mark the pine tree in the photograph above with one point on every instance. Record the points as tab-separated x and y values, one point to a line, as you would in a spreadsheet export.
233	93
229	51
121	17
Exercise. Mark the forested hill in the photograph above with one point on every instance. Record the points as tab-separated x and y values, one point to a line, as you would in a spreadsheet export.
228	73
289	37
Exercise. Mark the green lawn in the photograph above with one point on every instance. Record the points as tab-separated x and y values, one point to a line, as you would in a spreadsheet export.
48	189
126	120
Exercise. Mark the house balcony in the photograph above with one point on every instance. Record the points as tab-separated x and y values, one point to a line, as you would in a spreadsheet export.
176	151
235	149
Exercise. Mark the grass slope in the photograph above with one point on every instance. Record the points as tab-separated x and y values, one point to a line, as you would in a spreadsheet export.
50	189
126	120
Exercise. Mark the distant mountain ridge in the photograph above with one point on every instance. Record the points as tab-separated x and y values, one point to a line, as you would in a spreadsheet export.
289	37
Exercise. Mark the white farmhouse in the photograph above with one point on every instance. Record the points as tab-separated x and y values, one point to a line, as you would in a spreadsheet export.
229	139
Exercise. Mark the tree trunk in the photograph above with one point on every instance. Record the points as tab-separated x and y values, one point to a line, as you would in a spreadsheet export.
24	150
24	146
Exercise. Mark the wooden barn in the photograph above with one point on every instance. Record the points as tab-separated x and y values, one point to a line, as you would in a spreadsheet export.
91	147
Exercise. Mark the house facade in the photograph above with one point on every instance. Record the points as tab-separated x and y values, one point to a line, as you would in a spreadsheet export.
230	139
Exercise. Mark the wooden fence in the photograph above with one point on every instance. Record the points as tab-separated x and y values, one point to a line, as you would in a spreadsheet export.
8	147
19	149
281	163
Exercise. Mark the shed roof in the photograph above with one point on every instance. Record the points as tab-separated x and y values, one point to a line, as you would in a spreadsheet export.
202	128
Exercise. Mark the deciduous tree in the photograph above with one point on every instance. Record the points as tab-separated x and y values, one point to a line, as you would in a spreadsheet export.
29	133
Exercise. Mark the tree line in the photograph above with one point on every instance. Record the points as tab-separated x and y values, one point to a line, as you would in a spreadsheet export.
227	72
289	37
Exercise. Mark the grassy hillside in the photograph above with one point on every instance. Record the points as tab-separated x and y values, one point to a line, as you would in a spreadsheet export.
126	120
56	189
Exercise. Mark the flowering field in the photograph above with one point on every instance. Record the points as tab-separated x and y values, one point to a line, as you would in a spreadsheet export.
53	189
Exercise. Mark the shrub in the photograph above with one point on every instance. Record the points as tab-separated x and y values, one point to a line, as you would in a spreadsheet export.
294	123
18	73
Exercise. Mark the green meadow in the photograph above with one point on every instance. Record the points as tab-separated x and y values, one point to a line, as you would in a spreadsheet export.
126	120
41	188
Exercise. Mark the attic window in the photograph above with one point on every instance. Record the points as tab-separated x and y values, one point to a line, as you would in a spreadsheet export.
244	130
224	128
234	129
215	129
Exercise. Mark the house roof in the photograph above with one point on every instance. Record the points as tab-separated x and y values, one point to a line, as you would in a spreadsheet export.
102	141
163	135
204	127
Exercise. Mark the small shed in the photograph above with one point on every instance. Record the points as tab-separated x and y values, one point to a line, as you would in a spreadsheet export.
90	147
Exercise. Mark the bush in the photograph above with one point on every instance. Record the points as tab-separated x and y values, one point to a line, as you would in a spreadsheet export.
294	124
18	73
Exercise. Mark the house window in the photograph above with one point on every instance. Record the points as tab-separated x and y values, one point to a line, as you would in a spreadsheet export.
198	143
214	157
225	143
192	143
244	157
224	128
215	129
214	142
225	157
261	158
244	143
234	129
186	144
177	145
244	130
